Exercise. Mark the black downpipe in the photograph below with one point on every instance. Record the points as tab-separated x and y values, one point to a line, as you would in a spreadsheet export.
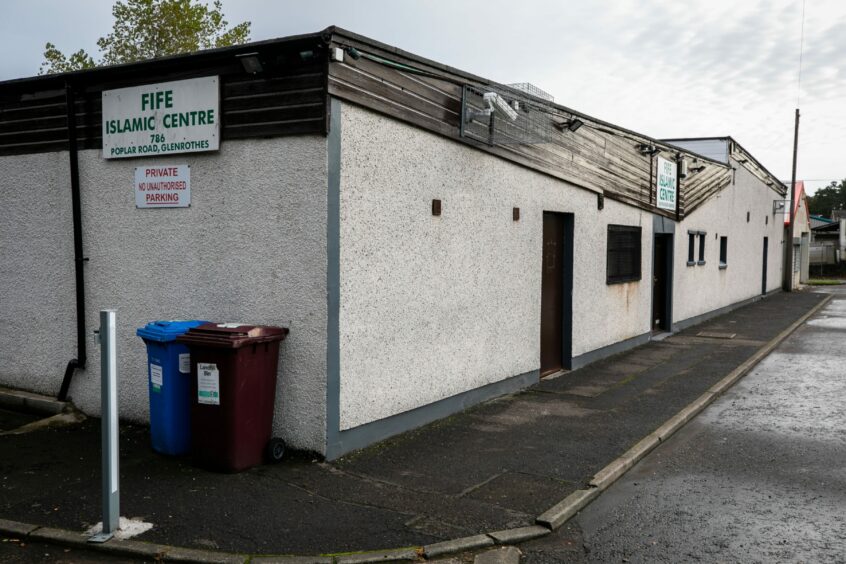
78	258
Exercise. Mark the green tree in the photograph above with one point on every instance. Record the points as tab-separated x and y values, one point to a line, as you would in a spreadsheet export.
829	198
146	29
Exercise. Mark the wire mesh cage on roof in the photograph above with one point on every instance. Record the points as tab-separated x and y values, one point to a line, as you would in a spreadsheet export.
502	115
530	88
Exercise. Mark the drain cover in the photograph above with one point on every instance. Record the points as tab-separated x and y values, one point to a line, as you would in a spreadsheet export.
716	335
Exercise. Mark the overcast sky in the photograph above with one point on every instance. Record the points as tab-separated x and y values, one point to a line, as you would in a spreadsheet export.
660	67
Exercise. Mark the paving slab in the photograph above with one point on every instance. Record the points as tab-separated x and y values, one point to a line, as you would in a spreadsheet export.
502	555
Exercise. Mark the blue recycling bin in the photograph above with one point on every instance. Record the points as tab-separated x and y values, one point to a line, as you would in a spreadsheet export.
169	384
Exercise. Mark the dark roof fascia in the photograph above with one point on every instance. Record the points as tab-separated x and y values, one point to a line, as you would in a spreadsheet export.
757	162
189	60
731	139
104	74
341	33
671	143
676	139
822	218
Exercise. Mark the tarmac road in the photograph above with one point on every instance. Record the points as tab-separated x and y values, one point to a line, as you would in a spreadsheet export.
760	476
21	551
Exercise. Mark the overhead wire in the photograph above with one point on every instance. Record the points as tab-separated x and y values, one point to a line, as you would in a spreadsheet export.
801	50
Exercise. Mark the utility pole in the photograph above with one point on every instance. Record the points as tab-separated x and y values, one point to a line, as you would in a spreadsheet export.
788	281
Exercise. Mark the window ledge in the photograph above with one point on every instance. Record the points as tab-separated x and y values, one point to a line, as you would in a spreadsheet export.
701	262
723	266
691	263
626	281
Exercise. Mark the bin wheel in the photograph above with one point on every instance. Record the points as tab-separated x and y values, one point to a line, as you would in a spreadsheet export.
275	450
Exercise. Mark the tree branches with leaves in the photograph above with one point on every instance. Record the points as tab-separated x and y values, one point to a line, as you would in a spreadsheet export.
146	29
831	197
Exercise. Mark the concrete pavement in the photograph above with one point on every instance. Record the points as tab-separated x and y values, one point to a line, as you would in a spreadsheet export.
759	476
496	466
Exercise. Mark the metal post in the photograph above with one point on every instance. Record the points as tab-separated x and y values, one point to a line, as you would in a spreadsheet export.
109	413
789	265
679	170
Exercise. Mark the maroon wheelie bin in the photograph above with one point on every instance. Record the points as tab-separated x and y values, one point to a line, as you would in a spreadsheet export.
233	392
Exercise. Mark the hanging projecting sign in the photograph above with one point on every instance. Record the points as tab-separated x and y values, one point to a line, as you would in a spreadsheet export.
666	180
161	119
167	186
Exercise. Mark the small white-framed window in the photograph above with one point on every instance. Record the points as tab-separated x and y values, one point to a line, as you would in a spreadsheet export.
692	235
691	241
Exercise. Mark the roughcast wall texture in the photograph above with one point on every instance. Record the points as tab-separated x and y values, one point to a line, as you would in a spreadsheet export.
699	288
434	306
251	248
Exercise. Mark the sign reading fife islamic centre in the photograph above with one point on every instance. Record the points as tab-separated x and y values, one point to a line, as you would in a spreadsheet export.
666	180
162	119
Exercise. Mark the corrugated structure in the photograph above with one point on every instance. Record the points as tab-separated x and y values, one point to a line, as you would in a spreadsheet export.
290	97
728	151
600	157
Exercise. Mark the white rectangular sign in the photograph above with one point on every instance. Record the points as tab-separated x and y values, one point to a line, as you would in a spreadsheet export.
160	119
208	384
666	184
156	377
165	186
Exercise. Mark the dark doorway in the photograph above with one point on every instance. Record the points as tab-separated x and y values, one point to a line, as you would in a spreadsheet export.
556	293
764	271
662	282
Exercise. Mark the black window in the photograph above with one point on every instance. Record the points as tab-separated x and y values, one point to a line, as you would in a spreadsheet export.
691	240
623	254
701	248
723	252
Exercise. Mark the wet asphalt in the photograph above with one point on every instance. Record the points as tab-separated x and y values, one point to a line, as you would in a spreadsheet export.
14	550
759	476
494	466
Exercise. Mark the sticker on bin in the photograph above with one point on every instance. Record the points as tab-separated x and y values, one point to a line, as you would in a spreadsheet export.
156	378
208	384
230	325
185	363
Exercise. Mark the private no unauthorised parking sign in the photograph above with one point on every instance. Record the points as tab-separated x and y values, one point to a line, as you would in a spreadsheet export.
166	186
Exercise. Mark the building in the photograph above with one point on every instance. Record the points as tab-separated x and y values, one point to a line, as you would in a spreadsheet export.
801	234
828	241
819	221
431	238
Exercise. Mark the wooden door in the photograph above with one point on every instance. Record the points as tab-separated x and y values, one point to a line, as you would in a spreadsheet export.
552	294
764	269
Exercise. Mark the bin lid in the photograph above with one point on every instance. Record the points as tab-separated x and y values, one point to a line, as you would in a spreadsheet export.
232	335
166	330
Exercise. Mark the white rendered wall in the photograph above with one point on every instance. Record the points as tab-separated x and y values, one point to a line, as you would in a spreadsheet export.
703	288
435	306
37	291
251	248
802	226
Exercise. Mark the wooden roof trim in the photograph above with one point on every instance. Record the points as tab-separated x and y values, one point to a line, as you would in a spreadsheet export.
344	37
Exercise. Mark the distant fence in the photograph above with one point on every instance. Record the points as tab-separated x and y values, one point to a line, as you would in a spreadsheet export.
824	254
